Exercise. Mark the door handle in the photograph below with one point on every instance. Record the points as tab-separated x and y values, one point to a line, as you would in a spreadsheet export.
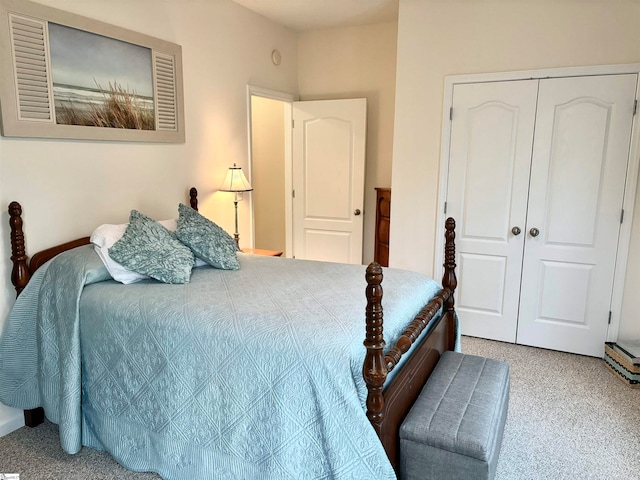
516	231
357	211
534	232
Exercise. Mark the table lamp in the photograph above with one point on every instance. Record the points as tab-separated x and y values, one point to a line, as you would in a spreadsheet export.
236	182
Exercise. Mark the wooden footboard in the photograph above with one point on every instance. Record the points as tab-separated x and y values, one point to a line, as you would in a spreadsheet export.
387	407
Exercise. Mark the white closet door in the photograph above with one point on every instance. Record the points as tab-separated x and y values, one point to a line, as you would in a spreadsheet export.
491	140
579	163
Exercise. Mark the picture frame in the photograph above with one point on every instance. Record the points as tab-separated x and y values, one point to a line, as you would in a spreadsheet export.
67	76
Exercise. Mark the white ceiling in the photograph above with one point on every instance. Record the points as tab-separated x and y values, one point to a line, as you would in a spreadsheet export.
304	15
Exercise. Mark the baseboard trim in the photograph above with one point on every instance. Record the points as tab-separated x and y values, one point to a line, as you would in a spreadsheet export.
11	422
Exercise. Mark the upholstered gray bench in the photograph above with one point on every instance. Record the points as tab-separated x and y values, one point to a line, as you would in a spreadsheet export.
454	429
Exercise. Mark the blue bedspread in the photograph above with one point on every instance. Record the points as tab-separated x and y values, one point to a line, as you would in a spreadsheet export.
248	374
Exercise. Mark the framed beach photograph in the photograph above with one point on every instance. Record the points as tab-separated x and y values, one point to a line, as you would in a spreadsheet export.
67	76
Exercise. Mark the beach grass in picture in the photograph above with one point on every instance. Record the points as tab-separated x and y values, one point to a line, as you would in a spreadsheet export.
100	81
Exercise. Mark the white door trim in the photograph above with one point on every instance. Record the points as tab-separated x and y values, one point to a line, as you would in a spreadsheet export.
288	99
630	184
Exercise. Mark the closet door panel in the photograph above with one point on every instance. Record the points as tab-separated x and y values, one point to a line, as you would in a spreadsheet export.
491	140
578	170
576	162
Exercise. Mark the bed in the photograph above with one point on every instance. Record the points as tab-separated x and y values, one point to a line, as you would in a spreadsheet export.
246	374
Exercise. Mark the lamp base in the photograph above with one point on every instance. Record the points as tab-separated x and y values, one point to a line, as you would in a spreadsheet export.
236	235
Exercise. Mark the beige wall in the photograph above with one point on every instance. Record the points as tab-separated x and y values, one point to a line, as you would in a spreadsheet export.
267	172
67	187
357	62
436	39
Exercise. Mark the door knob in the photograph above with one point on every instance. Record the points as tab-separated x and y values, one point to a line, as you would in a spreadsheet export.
357	211
534	232
516	230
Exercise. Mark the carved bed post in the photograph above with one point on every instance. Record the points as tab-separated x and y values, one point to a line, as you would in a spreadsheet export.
20	273
20	276
449	279
193	198
374	370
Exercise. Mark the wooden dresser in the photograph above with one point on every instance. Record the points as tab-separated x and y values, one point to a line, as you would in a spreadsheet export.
383	214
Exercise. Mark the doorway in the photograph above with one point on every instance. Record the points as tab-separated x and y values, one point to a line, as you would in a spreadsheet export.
307	163
270	153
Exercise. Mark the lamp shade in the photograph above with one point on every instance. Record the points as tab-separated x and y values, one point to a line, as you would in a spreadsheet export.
235	181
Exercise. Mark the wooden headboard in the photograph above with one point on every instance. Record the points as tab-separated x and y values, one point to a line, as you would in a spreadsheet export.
23	269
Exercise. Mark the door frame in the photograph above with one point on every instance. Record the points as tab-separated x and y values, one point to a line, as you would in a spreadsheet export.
287	99
630	184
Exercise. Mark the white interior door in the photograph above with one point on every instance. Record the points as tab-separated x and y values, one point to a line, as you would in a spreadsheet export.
491	140
578	170
329	139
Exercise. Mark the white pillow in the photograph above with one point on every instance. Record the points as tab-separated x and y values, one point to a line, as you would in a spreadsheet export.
106	235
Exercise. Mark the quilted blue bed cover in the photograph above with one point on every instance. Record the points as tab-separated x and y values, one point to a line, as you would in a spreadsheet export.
247	374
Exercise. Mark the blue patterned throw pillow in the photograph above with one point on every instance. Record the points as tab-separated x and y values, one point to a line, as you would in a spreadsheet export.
206	239
149	248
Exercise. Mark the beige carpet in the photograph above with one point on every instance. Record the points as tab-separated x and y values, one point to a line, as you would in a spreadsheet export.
35	454
569	418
